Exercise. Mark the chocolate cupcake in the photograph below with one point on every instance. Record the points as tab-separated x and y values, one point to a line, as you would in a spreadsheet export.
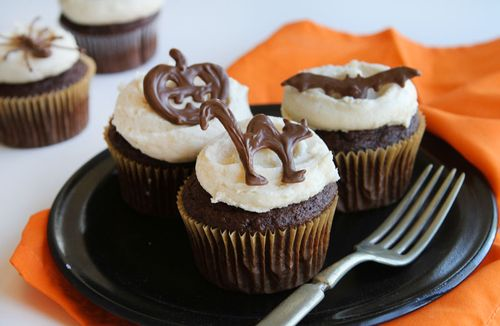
154	135
368	116
118	34
259	209
44	86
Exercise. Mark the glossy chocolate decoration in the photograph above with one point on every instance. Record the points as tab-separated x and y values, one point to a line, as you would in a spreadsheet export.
162	97
261	133
37	43
356	87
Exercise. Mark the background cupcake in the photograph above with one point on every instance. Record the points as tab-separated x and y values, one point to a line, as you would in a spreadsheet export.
372	125
154	151
259	220
44	86
118	34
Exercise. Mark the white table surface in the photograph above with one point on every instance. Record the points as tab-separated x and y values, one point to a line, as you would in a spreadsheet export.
218	31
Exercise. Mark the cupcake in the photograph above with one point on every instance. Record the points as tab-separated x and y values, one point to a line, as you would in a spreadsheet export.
44	86
259	209
118	34
154	135
368	116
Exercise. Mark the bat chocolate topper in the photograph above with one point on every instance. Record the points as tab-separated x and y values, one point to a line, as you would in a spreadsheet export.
356	87
261	133
36	42
162	97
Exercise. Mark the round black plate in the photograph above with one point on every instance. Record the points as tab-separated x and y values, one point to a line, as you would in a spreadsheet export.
141	268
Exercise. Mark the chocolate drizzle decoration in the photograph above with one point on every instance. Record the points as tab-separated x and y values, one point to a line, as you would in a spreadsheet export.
356	87
261	133
162	97
36	42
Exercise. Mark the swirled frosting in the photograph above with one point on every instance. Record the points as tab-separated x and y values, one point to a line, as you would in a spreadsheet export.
391	105
105	12
221	174
156	137
15	70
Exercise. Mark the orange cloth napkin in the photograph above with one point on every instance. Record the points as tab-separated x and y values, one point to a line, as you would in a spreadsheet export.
34	262
459	93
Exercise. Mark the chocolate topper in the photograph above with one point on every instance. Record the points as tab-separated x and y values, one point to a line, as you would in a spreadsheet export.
160	96
356	87
37	43
261	133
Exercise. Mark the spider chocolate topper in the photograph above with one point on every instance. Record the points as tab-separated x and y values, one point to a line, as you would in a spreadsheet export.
356	87
162	97
261	133
37	43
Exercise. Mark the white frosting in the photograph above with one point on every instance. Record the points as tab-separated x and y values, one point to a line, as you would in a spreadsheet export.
221	174
15	71
156	137
391	105
103	12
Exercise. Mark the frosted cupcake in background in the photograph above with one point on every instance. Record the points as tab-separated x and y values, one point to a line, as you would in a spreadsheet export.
368	116
259	209
44	86
154	133
118	34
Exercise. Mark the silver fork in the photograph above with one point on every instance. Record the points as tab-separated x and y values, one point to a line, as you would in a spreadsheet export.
393	243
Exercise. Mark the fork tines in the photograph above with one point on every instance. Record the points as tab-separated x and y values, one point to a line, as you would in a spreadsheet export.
401	233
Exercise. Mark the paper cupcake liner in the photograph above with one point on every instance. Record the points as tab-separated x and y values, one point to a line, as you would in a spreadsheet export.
260	262
48	118
376	178
119	51
149	190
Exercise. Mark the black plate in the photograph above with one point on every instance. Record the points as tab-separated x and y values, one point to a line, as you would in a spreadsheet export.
141	268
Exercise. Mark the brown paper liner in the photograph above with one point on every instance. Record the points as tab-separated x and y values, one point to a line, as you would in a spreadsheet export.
48	118
150	190
260	262
119	51
376	178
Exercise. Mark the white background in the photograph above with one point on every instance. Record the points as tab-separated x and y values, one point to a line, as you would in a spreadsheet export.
218	31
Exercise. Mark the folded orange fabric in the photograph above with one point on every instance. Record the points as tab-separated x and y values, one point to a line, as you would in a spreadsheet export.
34	262
459	92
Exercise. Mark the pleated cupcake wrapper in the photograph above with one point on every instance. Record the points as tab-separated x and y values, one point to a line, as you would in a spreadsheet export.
119	51
148	189
260	262
376	178
48	118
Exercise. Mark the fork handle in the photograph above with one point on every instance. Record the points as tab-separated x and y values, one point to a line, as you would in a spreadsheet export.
297	305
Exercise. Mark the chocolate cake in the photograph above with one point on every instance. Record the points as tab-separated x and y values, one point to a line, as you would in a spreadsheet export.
368	116
44	91
67	78
220	215
117	141
256	233
147	185
116	47
157	149
360	140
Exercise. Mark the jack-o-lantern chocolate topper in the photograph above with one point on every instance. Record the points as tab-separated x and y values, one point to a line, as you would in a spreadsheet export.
356	87
261	133
167	100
